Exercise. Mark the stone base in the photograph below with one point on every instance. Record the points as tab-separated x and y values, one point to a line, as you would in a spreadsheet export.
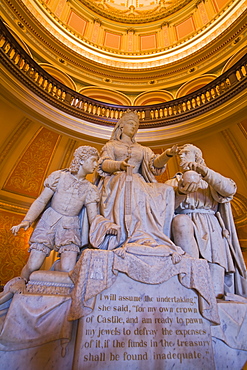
226	357
45	357
132	326
50	282
35	333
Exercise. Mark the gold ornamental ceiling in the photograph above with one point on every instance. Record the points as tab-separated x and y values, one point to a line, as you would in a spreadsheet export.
130	46
163	32
134	11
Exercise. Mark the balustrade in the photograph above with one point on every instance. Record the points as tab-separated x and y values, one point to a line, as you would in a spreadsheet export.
21	64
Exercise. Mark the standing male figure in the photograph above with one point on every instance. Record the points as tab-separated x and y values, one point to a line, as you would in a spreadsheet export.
203	225
66	192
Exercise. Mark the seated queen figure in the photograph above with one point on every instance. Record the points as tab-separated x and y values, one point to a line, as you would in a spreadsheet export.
130	194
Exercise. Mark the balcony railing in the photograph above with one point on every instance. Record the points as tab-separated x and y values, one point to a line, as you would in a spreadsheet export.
22	66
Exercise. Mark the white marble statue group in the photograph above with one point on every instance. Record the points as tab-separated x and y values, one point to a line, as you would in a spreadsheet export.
189	215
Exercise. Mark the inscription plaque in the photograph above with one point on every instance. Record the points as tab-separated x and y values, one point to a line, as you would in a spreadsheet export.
140	326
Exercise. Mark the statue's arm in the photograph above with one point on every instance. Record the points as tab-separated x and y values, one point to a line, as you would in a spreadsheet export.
114	166
222	185
161	160
92	213
110	166
107	162
35	210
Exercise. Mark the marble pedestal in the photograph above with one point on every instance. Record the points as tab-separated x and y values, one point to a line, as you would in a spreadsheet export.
44	357
127	325
136	326
34	331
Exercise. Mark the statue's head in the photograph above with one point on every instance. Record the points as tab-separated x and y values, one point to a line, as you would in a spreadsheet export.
81	154
126	117
190	153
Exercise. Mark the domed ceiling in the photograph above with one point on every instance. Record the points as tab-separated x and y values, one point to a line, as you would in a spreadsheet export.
137	35
117	50
131	46
135	11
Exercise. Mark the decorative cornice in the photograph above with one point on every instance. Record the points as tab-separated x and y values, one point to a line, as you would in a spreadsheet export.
9	204
165	24
97	20
119	60
208	98
135	15
172	75
130	30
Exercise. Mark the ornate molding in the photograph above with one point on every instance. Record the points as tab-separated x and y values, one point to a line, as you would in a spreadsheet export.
98	55
208	98
239	207
134	14
28	174
7	204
